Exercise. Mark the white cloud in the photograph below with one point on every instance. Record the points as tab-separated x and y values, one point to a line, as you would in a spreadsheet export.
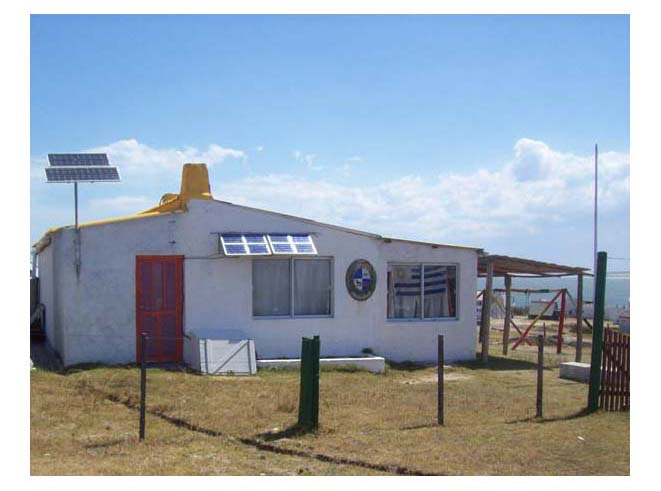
539	186
131	156
521	197
311	160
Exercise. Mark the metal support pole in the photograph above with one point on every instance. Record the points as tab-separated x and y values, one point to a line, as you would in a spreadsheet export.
579	319
75	202
76	231
508	313
597	332
441	362
143	383
540	374
596	202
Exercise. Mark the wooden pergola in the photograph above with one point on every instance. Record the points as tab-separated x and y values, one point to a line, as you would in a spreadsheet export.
491	265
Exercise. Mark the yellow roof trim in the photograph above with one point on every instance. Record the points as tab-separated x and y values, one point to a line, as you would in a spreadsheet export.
43	242
194	185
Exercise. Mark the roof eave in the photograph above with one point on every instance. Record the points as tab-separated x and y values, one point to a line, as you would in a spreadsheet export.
522	267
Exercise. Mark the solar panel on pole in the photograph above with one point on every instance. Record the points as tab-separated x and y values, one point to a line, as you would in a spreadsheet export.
77	159
75	168
82	174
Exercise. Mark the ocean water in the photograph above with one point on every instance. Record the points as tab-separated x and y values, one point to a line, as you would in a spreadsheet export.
617	288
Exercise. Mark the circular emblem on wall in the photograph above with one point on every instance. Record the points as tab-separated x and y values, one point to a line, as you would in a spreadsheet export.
361	279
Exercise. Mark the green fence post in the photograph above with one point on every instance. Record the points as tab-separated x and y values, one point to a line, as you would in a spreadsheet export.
301	389
597	332
308	407
304	395
314	373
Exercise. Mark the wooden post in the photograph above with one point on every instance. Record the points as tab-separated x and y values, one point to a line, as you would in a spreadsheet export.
597	332
143	383
441	361
508	312
540	374
482	314
561	323
579	318
486	304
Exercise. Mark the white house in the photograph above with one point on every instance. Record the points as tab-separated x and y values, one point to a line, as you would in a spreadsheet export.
196	263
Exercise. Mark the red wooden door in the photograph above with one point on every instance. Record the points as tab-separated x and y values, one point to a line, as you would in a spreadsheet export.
159	302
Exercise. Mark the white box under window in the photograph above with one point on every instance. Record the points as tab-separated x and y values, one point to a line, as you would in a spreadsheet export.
220	352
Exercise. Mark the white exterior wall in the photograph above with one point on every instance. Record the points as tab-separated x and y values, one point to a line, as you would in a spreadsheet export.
95	312
47	295
416	340
98	309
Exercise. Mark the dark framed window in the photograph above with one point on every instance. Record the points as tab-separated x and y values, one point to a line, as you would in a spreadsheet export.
292	287
422	291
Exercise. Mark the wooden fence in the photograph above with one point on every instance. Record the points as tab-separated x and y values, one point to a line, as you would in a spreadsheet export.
614	391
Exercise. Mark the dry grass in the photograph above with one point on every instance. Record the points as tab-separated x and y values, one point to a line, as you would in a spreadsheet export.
76	432
380	419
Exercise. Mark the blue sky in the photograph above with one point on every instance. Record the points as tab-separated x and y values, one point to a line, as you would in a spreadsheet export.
474	130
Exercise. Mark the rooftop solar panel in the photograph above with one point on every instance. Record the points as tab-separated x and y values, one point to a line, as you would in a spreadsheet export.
232	239
237	244
244	245
82	174
235	249
279	248
258	249
77	159
292	244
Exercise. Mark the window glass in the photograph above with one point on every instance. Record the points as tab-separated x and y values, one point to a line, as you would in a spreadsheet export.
439	291
405	291
312	287
422	291
271	287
